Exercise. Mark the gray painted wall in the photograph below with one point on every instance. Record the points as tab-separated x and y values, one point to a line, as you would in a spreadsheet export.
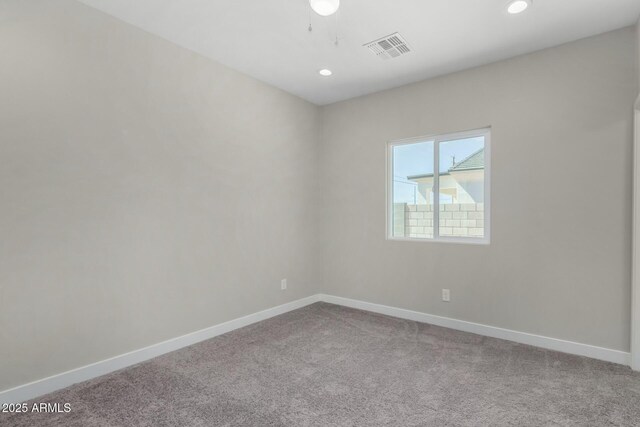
147	192
561	142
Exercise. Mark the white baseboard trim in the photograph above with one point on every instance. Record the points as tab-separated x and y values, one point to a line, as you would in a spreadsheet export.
563	346
56	382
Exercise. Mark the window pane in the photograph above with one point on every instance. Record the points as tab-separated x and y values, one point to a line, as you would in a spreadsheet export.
412	214
461	166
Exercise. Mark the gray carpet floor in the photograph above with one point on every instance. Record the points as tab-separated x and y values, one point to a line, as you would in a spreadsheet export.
325	365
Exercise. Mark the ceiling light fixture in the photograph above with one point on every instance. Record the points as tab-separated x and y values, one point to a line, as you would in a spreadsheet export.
518	6
324	7
325	72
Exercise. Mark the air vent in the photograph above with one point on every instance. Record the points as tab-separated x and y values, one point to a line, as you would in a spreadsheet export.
390	46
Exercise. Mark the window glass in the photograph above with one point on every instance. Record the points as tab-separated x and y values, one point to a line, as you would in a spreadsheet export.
461	168
439	188
413	190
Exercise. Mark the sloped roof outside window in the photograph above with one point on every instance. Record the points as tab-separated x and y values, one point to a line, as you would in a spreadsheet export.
473	162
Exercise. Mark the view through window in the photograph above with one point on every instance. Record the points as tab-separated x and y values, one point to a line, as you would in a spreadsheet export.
439	188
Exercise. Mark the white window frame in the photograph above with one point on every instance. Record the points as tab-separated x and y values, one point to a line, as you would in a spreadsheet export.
437	140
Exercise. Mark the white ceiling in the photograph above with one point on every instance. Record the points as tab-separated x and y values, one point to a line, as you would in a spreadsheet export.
269	40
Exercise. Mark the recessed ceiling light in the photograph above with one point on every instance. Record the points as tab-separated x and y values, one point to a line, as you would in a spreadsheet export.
324	7
518	6
325	72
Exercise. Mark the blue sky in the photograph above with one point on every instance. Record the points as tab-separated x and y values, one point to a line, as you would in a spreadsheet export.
417	159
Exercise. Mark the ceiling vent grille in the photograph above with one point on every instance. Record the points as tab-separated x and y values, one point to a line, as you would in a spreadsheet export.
391	46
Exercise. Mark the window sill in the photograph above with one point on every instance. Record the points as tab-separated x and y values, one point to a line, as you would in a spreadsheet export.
455	240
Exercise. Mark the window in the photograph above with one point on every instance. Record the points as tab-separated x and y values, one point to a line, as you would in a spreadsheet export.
438	188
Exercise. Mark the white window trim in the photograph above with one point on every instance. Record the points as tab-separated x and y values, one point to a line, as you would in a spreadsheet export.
437	139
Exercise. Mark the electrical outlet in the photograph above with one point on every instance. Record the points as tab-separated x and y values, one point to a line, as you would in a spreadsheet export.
283	284
446	295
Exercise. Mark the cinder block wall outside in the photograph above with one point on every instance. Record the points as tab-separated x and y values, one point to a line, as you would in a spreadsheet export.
460	220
